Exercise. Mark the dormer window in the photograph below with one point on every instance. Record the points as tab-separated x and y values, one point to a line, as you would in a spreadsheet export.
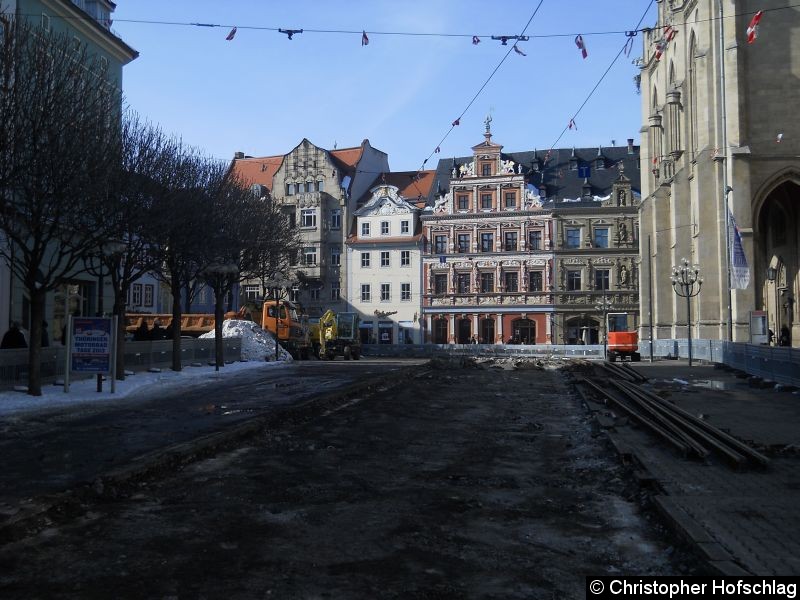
599	163
573	163
486	169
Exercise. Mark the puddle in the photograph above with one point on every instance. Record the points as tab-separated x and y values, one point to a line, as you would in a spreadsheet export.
714	384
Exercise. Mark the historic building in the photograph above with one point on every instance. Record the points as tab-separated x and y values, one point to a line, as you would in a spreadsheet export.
318	190
524	246
384	254
720	137
88	22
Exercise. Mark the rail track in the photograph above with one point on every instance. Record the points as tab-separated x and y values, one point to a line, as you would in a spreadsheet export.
618	386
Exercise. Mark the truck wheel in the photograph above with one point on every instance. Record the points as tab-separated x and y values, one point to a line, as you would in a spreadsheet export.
347	352
330	355
612	356
636	357
356	354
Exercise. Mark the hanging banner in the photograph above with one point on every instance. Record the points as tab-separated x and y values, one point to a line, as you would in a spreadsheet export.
740	271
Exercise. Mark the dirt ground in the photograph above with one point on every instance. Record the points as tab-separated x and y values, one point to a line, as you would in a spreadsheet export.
458	483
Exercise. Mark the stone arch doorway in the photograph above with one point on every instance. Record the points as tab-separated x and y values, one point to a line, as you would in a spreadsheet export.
464	331
778	260
582	330
487	331
523	331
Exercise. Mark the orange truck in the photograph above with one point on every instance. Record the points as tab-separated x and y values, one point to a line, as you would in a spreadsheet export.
289	324
623	339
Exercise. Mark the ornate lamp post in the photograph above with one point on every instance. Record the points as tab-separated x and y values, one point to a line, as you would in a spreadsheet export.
604	306
686	282
278	286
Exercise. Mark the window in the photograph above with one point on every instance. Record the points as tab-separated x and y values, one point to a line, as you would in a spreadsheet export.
463	202
148	294
384	227
405	291
310	255
573	235
440	244
309	186
405	258
336	292
511	281
486	201
336	257
313	293
308	217
385	258
440	284
601	237
321	186
364	260
573	281
487	242
336	218
45	22
534	240
601	279
535	281
486	169
511	200
366	294
487	282
463	242
462	283
386	293
290	189
136	295
251	292
510	241
365	229
404	227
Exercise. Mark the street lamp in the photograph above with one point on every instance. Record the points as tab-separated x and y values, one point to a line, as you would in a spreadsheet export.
686	282
278	285
604	306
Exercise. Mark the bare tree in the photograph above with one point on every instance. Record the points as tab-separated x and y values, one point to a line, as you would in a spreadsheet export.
59	145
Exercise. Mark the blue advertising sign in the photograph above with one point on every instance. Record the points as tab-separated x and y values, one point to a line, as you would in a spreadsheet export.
91	344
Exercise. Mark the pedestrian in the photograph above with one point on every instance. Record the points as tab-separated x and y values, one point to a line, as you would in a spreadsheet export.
771	336
157	332
13	338
784	340
474	340
169	330
45	335
142	332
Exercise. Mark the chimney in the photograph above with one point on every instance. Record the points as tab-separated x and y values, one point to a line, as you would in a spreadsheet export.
238	155
630	145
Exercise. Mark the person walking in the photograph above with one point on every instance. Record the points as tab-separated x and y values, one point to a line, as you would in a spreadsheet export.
13	338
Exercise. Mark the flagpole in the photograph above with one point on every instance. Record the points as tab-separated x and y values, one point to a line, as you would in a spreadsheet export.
726	188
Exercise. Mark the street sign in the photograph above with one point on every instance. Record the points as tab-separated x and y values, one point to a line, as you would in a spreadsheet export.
584	171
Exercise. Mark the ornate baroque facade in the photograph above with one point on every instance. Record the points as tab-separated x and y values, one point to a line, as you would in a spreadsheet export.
525	246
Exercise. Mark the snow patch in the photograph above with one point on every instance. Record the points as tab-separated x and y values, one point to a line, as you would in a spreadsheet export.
257	344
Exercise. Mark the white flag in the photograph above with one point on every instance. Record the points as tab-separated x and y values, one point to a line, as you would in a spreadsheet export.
740	271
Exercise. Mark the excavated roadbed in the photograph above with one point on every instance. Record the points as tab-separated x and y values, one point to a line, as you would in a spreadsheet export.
462	481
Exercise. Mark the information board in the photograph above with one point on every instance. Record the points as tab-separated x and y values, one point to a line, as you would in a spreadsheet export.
91	345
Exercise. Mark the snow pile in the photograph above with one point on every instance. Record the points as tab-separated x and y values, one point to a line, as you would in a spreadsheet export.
257	344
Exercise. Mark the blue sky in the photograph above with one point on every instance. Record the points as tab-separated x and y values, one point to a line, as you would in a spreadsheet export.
262	93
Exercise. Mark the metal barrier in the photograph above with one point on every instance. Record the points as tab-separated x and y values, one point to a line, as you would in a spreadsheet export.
139	356
775	363
483	350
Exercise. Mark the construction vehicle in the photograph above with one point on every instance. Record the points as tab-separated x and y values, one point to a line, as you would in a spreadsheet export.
623	339
289	326
338	336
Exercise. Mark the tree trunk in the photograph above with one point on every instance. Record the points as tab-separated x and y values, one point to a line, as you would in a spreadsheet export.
219	351
119	311
176	326
35	343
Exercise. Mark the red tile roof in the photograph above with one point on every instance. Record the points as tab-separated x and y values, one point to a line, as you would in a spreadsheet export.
348	156
257	170
414	191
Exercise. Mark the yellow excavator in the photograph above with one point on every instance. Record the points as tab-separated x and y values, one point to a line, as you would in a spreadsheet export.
338	336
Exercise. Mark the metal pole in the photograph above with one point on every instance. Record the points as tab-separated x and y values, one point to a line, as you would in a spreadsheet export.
277	322
689	324
650	293
724	145
100	314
